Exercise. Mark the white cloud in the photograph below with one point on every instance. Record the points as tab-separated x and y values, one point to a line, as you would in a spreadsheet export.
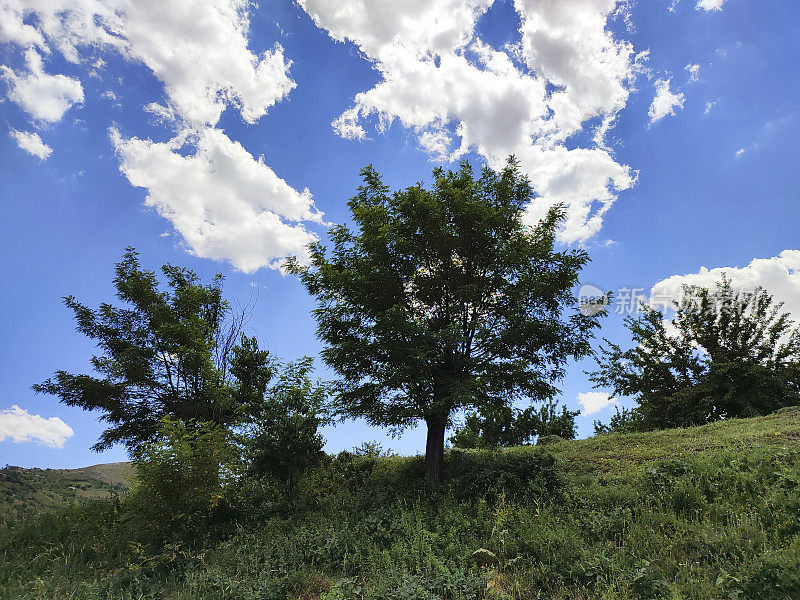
225	203
19	425
31	143
13	28
593	402
694	72
709	5
197	49
779	275
458	94
665	102
710	105
739	152
44	97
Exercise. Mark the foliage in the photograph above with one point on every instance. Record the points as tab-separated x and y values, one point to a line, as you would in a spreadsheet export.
372	449
506	426
732	354
282	437
624	420
707	513
519	474
444	299
165	353
180	476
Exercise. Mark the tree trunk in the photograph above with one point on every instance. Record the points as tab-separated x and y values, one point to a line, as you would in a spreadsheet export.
434	450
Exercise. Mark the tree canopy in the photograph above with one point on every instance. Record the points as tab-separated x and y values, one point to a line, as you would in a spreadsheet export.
726	354
166	353
445	298
506	426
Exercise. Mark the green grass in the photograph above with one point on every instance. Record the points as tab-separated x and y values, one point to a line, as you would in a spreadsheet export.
708	513
621	454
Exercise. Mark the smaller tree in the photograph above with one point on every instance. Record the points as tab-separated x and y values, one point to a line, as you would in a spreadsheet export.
624	420
282	438
163	353
728	354
506	426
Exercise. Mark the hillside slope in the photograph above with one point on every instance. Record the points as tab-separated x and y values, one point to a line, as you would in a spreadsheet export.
622	454
35	490
706	513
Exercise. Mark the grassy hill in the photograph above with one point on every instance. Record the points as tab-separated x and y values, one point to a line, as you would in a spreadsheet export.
623	454
23	491
706	513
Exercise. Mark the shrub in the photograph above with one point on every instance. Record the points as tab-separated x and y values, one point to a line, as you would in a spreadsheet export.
180	477
492	427
775	576
521	473
282	439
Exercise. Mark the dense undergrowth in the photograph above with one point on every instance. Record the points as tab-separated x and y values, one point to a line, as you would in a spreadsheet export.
705	513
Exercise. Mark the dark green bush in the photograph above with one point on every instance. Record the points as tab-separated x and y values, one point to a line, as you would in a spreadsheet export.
521	473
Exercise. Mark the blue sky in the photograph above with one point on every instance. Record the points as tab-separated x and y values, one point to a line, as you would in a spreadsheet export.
221	136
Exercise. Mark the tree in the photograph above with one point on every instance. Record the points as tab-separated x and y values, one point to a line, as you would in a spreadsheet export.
624	420
444	299
505	426
730	354
174	353
282	437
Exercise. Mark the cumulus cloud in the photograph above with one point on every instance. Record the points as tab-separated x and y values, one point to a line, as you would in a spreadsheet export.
31	143
694	72
19	425
197	49
225	203
779	275
665	101
709	5
43	96
457	93
593	402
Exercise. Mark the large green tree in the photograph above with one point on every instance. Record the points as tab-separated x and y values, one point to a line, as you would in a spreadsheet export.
444	298
165	353
727	354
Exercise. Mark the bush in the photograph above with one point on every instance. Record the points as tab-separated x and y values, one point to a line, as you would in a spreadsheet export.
493	427
180	478
523	474
701	514
282	438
